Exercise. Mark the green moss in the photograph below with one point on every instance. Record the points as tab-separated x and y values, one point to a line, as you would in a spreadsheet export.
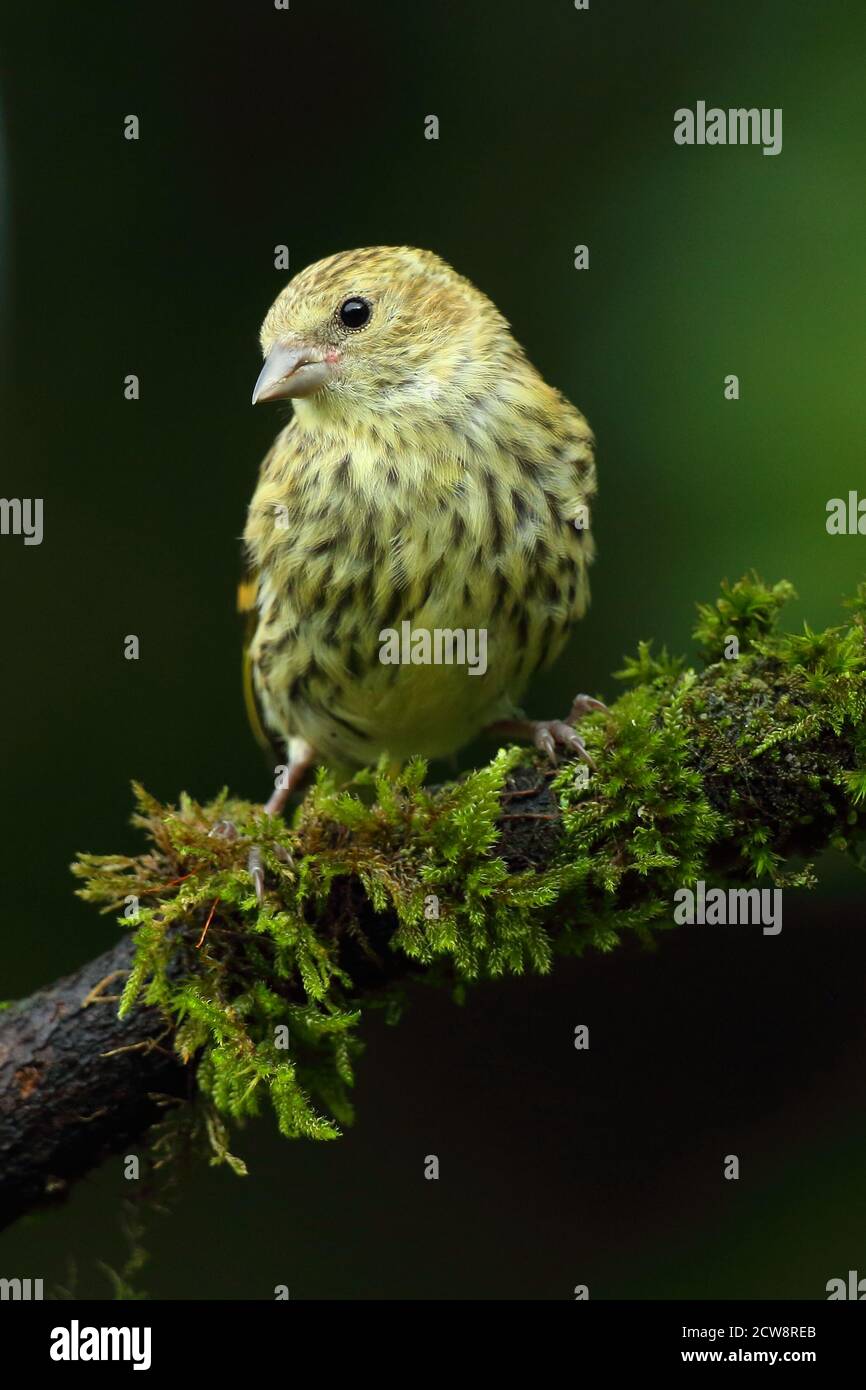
740	771
746	610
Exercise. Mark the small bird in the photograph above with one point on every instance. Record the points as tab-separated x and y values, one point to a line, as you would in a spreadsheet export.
429	481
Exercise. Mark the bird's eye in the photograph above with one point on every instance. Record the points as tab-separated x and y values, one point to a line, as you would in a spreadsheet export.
354	313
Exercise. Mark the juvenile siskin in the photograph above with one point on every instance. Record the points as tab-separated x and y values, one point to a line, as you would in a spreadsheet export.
428	481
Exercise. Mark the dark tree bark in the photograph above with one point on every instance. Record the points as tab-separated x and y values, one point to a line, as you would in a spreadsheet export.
76	1082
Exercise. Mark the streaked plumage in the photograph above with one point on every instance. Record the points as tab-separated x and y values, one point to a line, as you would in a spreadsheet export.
433	477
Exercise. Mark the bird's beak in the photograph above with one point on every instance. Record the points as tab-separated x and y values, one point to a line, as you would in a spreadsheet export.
290	371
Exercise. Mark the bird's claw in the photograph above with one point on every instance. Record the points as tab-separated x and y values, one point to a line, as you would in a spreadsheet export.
256	871
227	830
584	704
256	867
547	733
224	830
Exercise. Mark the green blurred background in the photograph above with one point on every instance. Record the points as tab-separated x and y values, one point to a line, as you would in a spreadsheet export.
261	127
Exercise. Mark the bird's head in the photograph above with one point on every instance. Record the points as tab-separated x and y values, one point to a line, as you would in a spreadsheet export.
369	332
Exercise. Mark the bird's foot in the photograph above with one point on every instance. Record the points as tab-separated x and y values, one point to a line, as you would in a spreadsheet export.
301	758
548	734
227	830
256	871
224	830
584	704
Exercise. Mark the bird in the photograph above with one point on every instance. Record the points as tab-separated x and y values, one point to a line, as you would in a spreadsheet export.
429	480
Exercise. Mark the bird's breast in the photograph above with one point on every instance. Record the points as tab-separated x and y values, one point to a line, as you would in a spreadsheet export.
361	555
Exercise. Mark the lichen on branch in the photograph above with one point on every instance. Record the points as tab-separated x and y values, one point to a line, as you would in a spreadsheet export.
739	771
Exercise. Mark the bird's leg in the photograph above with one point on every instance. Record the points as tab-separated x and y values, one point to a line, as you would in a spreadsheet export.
301	759
277	800
547	733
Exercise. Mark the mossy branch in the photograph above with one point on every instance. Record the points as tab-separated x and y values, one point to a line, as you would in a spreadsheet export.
740	773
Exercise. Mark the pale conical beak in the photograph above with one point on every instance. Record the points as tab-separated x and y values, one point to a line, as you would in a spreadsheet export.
290	371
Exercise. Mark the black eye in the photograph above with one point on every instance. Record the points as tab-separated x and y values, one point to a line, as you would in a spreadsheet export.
354	313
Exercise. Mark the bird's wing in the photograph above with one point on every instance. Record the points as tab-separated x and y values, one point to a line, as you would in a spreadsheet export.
248	589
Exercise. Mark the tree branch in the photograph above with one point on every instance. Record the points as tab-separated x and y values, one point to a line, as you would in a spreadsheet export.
77	1082
725	775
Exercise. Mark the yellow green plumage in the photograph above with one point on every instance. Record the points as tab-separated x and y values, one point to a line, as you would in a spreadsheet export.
433	477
